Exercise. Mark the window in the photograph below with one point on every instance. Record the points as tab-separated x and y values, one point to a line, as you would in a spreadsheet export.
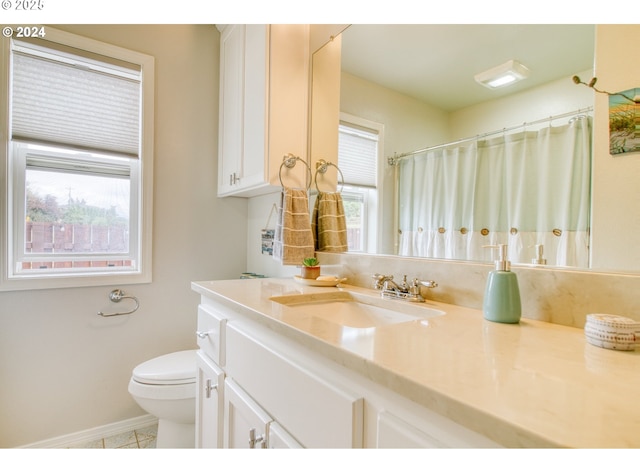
78	163
358	154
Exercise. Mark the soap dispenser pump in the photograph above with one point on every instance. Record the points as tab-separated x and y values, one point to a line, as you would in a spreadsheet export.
502	294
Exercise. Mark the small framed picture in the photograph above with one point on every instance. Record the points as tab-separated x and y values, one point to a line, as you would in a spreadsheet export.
267	241
624	121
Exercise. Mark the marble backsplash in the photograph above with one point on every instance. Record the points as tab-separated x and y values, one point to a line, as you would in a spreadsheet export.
553	295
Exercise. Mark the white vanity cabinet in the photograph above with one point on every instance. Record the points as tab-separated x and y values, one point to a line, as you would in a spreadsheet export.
264	79
282	392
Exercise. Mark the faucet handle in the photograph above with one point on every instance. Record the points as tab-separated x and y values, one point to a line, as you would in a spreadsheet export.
416	283
379	280
429	284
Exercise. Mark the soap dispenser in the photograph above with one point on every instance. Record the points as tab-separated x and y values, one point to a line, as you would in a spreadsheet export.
502	294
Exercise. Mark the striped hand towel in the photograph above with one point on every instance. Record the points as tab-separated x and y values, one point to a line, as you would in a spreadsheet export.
293	240
329	225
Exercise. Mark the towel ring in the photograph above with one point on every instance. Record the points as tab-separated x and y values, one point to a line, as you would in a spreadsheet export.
289	161
116	296
322	166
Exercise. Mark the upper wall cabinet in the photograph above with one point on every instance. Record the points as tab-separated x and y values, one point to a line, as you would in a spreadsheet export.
264	81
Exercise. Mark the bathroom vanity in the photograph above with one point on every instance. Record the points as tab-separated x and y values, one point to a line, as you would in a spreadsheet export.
283	364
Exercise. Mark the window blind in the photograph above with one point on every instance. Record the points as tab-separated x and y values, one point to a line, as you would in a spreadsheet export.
357	155
65	101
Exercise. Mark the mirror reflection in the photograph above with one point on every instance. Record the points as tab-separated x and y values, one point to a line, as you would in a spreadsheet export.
470	165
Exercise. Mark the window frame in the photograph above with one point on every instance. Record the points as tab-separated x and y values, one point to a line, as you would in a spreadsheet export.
143	177
373	219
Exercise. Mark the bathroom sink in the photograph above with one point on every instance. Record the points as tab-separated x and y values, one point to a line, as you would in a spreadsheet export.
357	310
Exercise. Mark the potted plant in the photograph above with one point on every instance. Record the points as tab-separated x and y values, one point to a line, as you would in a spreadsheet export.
310	268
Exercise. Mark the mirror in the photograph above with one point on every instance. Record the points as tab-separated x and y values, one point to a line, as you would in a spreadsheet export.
418	82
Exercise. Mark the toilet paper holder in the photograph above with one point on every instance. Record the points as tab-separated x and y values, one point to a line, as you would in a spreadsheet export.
118	295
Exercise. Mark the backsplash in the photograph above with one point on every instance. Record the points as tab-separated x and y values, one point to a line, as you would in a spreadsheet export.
553	295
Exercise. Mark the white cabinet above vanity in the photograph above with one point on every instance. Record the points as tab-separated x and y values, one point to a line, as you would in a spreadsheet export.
263	105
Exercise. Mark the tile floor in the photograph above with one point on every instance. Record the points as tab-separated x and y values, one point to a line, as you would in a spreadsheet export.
145	437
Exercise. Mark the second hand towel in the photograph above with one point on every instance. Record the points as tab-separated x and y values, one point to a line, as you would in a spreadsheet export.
329	223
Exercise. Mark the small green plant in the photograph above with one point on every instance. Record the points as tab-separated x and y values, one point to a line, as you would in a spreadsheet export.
310	262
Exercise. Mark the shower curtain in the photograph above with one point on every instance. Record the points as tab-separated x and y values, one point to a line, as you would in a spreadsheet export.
524	189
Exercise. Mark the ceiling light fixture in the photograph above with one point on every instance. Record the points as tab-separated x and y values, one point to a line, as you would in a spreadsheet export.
502	75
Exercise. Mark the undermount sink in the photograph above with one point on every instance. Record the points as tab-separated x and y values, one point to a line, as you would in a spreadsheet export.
357	310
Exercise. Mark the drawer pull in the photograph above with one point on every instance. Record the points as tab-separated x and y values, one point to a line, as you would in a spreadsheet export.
203	334
253	439
208	388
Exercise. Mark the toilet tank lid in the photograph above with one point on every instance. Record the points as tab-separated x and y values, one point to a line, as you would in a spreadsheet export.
174	368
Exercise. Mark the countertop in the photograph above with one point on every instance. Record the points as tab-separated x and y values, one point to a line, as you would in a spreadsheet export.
530	384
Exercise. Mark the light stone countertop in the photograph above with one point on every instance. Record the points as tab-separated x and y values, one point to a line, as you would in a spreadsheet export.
532	384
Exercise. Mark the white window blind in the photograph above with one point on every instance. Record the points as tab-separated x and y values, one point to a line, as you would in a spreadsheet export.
357	155
64	100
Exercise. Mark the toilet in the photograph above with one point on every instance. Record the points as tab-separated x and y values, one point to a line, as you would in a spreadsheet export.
166	388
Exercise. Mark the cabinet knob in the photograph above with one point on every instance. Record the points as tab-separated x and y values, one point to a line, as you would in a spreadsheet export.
233	178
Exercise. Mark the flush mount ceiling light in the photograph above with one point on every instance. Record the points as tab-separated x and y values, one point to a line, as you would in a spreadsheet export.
502	75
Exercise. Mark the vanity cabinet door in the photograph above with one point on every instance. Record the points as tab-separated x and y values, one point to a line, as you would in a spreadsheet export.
231	120
243	96
209	402
311	405
245	422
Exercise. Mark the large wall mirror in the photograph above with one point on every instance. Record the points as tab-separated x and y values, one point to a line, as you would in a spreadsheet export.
417	83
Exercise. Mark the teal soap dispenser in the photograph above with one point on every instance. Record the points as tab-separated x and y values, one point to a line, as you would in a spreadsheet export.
502	294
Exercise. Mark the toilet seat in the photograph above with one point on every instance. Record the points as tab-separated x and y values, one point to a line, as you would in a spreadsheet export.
162	392
177	368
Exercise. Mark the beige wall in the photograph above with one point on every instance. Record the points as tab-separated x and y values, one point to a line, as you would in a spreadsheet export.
64	369
616	184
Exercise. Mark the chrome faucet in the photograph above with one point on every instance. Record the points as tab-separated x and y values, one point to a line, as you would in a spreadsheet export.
391	289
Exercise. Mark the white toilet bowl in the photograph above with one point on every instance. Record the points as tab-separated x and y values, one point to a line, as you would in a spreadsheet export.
166	388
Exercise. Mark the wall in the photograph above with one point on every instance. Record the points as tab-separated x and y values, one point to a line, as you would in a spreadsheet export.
616	185
64	369
409	124
556	97
260	217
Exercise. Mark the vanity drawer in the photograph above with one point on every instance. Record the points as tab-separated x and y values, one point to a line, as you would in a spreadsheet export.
210	333
310	405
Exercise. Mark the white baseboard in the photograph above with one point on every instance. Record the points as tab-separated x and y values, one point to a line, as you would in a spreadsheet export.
85	436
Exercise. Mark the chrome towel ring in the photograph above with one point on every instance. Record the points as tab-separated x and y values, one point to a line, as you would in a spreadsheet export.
322	166
116	296
289	161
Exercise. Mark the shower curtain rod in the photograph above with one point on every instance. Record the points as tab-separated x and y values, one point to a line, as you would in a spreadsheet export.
393	160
